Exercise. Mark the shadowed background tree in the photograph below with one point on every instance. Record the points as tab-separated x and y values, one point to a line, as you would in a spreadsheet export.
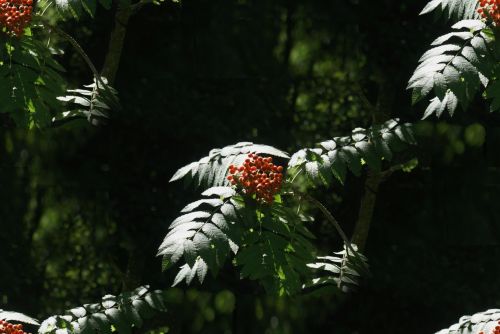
84	208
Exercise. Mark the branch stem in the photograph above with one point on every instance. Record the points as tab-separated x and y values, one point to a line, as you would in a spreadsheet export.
78	48
99	80
334	222
329	217
116	42
380	113
366	209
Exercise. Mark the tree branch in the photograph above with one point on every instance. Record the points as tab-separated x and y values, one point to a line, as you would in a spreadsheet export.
116	42
380	113
362	227
335	223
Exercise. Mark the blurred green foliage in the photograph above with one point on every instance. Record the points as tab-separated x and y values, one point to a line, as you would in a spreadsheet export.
78	201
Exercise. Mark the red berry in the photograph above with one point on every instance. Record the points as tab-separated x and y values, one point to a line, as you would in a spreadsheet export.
15	16
489	10
257	175
8	328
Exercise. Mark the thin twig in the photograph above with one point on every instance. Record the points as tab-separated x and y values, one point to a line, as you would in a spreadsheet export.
78	48
86	58
335	223
329	217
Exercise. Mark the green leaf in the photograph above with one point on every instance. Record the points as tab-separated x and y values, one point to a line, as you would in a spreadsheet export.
29	82
438	51
277	254
330	159
460	66
452	9
78	312
473	25
343	269
351	157
93	103
484	322
223	192
190	252
155	300
18	317
182	172
201	269
338	166
212	202
211	171
312	170
369	154
121	312
132	314
383	148
203	238
101	323
464	35
432	5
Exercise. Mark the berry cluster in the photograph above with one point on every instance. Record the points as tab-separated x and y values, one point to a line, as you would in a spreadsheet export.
8	328
257	176
490	9
496	330
15	15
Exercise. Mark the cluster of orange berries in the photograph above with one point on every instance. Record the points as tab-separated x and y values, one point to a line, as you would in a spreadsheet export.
490	9
15	15
8	328
258	176
496	330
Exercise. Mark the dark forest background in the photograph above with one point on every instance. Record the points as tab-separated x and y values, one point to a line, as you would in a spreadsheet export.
78	202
